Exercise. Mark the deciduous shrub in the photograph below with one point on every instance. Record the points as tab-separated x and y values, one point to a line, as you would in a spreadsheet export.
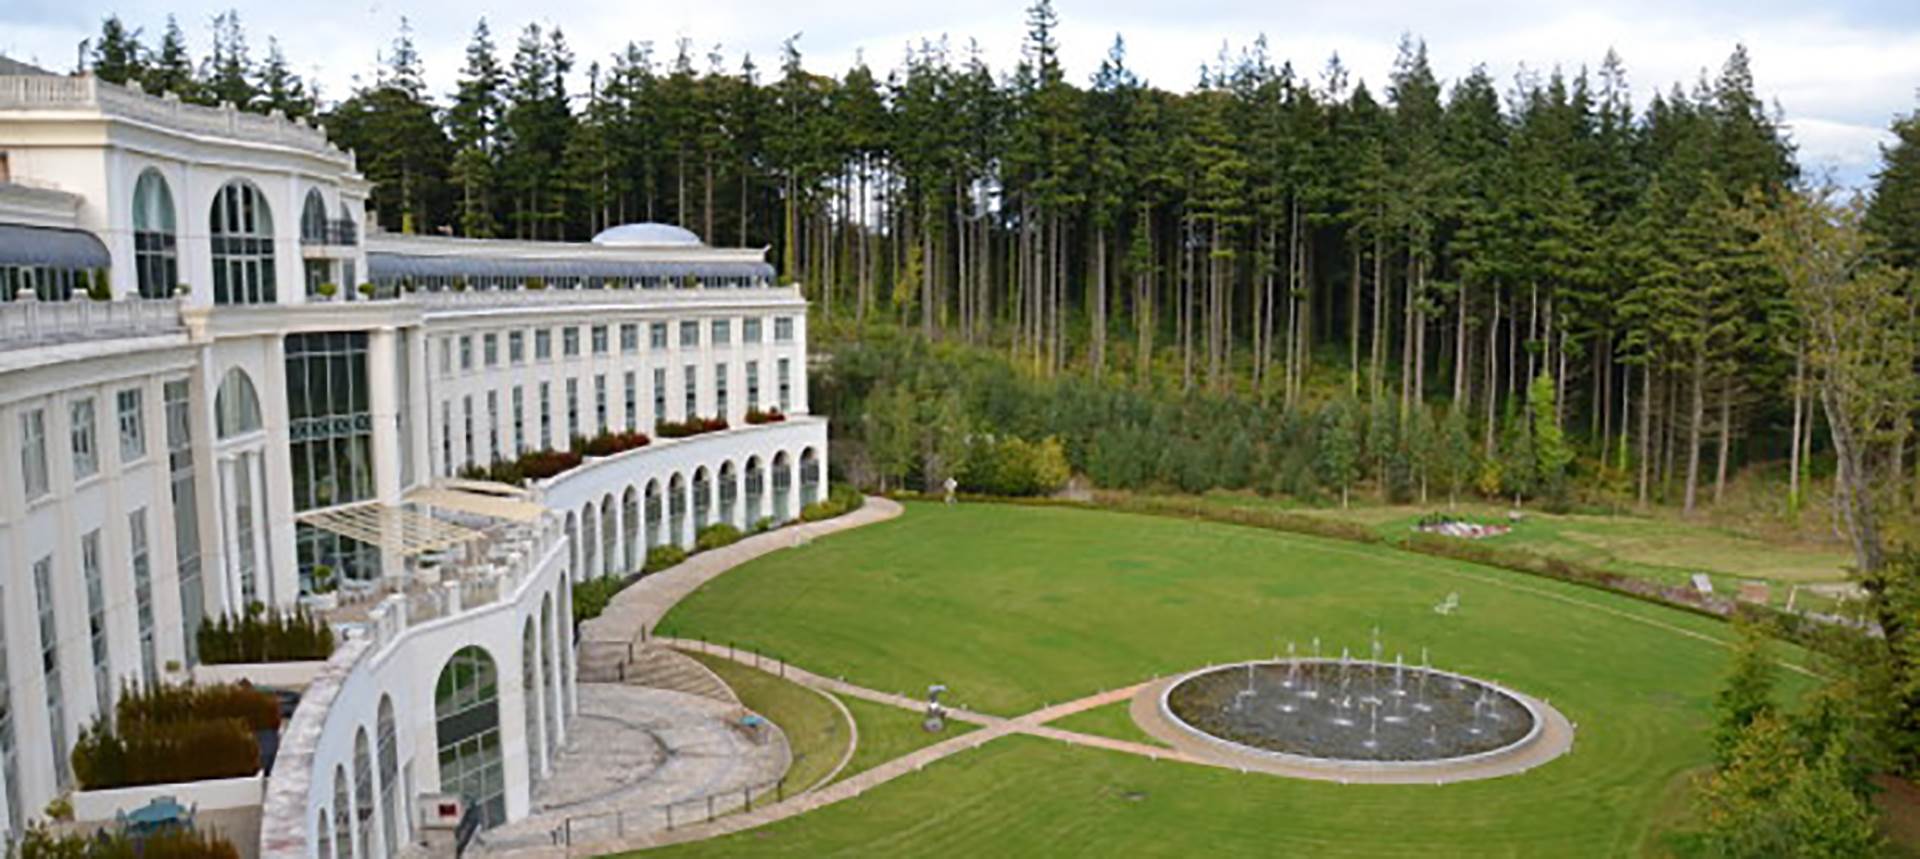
662	557
714	536
1013	466
610	443
768	416
270	636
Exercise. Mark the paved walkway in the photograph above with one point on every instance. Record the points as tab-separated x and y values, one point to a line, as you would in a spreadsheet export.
633	752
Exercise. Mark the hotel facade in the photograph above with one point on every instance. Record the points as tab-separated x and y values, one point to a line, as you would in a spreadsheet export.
219	388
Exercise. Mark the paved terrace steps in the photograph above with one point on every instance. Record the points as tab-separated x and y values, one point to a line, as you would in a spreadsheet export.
666	668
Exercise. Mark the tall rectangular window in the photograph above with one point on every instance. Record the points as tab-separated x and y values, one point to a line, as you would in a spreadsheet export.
490	349
600	402
493	426
720	390
516	347
86	455
573	408
50	670
722	333
599	339
9	757
466	352
570	341
783	329
97	621
629	337
689	334
692	388
519	421
542	344
142	564
750	329
186	514
33	452
753	385
466	417
657	336
786	385
133	425
446	437
546	415
633	401
659	395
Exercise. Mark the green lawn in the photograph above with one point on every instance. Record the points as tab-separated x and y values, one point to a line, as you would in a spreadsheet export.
1112	720
889	732
1016	607
816	732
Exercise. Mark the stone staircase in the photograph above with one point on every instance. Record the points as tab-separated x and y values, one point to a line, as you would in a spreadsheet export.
655	667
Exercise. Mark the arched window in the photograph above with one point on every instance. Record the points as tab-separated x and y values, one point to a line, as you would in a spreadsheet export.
156	263
342	814
677	509
241	227
702	497
313	219
729	493
609	536
653	514
547	690
809	477
782	485
363	794
237	406
466	709
389	771
589	565
530	682
756	491
630	531
323	824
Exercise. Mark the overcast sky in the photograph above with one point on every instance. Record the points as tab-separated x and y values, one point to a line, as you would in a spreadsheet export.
1840	69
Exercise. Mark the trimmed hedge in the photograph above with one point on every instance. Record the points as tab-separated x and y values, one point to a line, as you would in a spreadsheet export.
270	636
168	734
591	597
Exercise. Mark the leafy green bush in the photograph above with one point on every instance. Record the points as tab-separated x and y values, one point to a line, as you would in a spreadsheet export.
662	557
163	705
592	596
762	525
714	536
265	637
1014	466
40	842
690	426
841	499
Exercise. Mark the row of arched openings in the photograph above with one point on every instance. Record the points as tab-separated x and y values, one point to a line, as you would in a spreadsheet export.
612	536
239	231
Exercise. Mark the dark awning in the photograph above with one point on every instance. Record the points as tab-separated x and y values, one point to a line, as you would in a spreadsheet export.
385	266
50	246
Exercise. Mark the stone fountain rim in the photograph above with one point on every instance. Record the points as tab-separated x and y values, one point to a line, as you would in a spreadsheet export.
1526	701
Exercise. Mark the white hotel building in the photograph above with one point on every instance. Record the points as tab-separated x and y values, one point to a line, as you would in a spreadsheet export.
209	427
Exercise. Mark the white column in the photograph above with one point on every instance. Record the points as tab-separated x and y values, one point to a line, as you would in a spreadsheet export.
263	557
224	472
383	408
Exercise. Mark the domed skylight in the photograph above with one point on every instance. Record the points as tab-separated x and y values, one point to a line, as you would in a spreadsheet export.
636	235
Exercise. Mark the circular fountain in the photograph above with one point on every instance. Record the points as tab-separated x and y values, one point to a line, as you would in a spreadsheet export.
1336	717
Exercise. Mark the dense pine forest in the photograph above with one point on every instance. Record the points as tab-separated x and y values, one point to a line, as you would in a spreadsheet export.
1525	287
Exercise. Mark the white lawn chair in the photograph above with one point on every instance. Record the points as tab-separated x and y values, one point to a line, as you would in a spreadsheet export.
1449	605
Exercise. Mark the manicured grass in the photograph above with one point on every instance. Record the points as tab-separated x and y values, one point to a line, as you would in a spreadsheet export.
1114	721
889	732
1016	607
816	732
1648	546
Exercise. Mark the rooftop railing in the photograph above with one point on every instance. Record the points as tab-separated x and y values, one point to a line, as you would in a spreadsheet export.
340	232
30	322
54	92
447	299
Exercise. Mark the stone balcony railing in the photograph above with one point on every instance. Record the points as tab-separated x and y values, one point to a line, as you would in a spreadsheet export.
478	299
27	322
53	92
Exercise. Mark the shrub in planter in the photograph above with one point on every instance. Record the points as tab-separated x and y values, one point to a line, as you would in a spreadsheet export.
691	426
536	283
196	750
769	416
716	535
366	289
542	464
326	290
610	443
265	636
40	842
662	557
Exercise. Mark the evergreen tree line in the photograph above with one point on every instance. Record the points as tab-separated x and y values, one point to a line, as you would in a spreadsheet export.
1277	237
